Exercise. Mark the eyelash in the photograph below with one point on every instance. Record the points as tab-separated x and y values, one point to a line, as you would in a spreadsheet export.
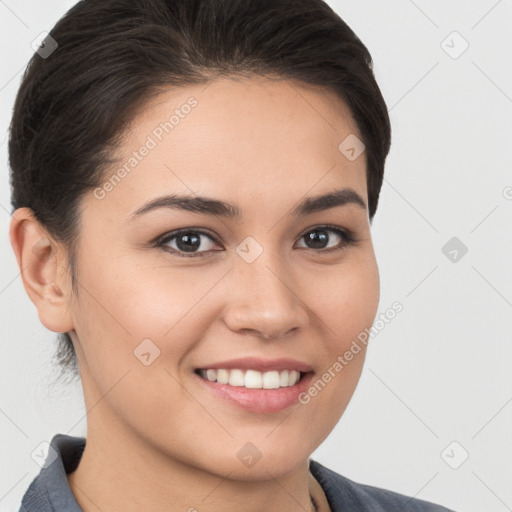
347	237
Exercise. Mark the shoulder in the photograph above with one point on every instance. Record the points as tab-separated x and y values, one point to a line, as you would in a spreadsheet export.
345	494
49	491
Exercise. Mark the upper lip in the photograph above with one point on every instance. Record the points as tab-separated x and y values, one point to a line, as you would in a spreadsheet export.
262	365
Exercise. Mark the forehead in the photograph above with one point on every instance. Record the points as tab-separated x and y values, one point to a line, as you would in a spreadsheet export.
237	140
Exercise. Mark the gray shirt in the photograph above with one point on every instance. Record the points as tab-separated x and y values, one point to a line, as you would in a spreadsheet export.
50	492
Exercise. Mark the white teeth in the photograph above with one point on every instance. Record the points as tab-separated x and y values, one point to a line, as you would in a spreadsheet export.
222	376
253	378
271	380
236	378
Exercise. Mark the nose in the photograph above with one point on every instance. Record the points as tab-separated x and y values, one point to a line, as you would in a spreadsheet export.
264	300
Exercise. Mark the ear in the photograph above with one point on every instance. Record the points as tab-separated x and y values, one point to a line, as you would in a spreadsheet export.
43	267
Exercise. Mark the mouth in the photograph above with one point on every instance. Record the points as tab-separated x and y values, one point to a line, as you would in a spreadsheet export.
252	379
252	390
255	384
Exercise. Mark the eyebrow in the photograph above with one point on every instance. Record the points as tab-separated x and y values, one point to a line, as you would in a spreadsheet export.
215	207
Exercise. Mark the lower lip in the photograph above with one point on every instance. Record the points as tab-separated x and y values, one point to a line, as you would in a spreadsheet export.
259	400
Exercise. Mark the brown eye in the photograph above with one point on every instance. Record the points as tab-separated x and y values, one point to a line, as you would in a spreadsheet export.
187	243
320	238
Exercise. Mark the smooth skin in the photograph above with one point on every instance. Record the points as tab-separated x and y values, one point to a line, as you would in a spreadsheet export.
156	438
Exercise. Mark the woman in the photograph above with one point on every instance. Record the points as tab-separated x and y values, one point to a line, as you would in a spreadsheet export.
193	185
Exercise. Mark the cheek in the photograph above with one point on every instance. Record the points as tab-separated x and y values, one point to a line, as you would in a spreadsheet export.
347	302
346	307
123	316
124	307
132	303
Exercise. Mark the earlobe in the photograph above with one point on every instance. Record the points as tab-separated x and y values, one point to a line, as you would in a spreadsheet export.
43	270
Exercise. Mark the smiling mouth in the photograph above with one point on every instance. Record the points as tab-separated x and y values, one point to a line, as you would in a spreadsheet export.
252	379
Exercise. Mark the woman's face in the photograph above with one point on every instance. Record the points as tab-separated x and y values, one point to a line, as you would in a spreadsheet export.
270	283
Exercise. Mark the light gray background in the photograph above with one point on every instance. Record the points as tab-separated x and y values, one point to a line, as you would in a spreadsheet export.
441	370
